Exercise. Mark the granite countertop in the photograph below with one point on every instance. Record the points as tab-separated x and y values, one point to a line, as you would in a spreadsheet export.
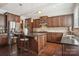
32	35
70	39
3	34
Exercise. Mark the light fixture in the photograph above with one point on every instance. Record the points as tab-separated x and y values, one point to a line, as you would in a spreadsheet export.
39	12
21	21
31	19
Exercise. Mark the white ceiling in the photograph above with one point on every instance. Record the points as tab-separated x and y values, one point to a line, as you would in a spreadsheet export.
25	8
30	9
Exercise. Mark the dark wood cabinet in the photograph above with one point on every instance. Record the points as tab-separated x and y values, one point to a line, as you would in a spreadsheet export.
36	23
70	50
12	17
3	40
54	37
29	24
49	22
62	21
55	21
38	43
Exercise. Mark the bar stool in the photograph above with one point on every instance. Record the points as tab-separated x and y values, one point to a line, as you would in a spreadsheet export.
13	49
23	43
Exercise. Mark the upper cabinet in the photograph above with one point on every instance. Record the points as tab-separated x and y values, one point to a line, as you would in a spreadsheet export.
49	22
55	21
60	21
29	24
36	23
12	17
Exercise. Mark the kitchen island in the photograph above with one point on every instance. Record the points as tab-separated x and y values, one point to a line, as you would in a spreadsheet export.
36	42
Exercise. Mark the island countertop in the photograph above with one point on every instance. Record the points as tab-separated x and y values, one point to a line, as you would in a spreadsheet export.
3	34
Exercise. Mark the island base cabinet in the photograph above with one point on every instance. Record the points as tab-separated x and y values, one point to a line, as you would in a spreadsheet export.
37	43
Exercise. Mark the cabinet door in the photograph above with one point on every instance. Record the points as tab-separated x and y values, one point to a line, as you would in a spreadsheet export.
49	37
30	25
37	23
55	21
3	40
57	37
33	44
54	37
34	24
70	50
62	21
45	39
49	22
40	42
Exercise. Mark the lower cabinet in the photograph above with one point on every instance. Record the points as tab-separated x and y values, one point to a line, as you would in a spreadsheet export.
70	50
3	40
38	43
67	50
54	37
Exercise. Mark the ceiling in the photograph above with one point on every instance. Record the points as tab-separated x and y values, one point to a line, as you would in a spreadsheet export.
30	9
21	8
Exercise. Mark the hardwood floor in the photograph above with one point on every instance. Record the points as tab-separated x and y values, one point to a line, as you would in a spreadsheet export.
51	49
4	51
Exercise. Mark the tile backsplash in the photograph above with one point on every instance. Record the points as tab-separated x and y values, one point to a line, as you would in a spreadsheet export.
51	29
